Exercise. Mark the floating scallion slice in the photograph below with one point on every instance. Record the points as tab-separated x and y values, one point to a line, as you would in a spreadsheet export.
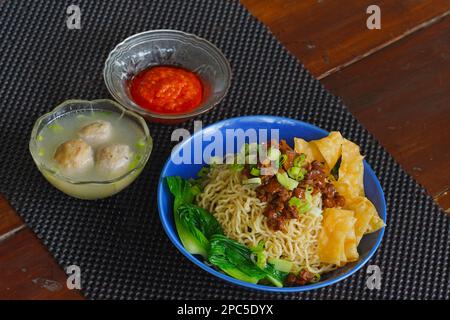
135	161
82	117
55	127
140	144
104	113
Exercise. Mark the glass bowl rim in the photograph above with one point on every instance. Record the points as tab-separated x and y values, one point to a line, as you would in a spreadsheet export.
42	167
130	104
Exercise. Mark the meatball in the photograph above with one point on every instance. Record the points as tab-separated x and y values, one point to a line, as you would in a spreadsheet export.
74	155
96	133
114	157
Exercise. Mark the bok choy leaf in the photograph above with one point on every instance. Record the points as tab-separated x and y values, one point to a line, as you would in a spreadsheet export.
194	224
276	277
234	259
181	190
200	233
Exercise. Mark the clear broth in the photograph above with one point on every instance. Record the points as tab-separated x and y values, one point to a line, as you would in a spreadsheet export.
64	128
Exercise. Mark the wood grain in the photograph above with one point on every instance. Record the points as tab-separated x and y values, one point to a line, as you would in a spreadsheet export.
396	81
327	35
28	271
9	219
443	199
401	94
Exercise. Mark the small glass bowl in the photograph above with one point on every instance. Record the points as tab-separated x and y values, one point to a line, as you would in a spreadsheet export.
88	190
167	47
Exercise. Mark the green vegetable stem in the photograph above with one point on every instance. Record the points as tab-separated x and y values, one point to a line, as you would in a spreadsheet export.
194	224
201	233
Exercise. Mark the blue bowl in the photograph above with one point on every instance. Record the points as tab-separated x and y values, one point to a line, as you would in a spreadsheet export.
288	129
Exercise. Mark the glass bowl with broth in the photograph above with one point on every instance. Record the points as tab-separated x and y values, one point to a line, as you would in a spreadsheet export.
90	149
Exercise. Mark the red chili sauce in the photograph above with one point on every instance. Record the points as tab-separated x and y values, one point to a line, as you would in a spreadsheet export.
167	89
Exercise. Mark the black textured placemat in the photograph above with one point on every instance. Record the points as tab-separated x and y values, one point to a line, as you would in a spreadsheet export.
119	242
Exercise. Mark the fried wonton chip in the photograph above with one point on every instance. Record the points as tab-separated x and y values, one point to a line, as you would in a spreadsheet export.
364	213
344	189
351	170
330	147
375	224
351	246
337	240
311	151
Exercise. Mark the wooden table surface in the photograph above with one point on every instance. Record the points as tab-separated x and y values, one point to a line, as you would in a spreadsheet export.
395	80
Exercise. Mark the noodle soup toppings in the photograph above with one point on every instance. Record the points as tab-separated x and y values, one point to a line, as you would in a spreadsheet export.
290	191
281	217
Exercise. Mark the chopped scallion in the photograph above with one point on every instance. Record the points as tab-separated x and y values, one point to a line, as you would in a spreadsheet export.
293	172
203	172
294	201
255	171
195	190
316	278
55	127
136	159
299	160
286	182
237	166
273	154
104	113
283	159
141	143
297	173
256	181
302	206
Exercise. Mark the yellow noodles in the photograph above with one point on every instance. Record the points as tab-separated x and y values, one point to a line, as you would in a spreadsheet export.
240	213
